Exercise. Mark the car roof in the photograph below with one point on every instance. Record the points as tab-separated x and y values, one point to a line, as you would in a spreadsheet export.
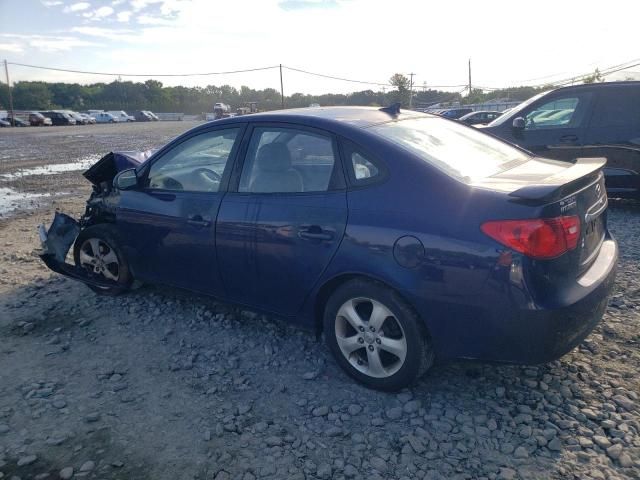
358	117
587	86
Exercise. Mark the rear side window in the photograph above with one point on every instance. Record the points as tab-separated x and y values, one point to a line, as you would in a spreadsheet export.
617	107
363	168
462	152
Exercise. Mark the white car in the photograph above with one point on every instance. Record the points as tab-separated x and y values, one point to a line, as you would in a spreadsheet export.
90	119
122	116
104	117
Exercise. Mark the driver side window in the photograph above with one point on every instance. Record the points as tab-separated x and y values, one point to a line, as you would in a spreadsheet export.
195	165
561	112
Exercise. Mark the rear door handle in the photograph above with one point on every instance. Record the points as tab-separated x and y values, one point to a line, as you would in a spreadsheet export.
568	138
198	220
314	232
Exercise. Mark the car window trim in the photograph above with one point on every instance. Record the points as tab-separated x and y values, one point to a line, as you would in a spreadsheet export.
234	183
224	181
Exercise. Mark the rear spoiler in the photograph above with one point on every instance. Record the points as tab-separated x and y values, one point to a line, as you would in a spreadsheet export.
555	185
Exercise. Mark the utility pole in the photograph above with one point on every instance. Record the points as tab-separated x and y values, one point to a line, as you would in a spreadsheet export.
469	78
12	120
281	87
411	90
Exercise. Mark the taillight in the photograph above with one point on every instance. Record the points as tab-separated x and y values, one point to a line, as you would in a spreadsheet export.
540	238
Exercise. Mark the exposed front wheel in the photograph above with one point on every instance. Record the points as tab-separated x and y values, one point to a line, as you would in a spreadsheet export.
96	250
375	336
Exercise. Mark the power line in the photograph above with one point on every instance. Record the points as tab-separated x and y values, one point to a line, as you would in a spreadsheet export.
604	72
574	78
558	83
111	74
336	78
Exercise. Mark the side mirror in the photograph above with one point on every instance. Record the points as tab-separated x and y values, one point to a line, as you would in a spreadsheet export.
126	179
519	123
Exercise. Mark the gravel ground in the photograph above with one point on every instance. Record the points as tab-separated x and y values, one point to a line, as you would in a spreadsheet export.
164	384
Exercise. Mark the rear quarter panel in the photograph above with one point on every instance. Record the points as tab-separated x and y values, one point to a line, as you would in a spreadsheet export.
444	215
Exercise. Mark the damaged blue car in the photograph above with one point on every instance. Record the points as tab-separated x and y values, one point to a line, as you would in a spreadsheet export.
403	237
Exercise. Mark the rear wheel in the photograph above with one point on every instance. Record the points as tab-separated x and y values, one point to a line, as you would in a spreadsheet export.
375	336
97	250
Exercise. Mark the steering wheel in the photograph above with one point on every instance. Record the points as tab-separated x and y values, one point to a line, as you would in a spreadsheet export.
210	175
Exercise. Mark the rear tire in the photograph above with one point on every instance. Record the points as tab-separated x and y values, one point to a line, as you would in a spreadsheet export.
98	250
375	336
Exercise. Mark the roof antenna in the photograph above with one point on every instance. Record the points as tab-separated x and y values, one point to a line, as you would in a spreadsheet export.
393	109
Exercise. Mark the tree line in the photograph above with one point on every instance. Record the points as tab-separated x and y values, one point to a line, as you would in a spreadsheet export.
153	95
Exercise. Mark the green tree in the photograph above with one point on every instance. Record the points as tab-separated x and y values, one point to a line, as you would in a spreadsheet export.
401	94
31	95
595	77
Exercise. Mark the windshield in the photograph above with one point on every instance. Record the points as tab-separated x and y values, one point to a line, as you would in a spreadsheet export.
513	112
460	151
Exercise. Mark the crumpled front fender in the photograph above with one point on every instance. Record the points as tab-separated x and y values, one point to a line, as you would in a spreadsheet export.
56	242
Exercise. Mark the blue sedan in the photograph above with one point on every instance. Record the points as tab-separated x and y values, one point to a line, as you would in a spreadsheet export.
403	237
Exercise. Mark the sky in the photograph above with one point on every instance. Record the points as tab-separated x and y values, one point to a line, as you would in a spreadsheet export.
509	42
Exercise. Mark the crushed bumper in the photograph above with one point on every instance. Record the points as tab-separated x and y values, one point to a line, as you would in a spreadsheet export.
56	242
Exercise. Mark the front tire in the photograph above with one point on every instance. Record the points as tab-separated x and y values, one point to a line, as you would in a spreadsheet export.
375	336
98	251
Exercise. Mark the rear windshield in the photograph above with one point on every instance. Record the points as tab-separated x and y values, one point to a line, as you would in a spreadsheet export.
462	152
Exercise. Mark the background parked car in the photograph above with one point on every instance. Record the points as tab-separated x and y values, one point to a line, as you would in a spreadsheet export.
480	117
4	123
89	119
455	112
142	116
77	117
59	117
17	122
592	120
153	116
122	116
104	117
36	119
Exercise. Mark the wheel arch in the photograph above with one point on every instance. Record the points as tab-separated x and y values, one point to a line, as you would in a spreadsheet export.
331	285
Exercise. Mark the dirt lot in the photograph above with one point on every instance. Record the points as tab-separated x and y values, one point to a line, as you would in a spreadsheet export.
164	384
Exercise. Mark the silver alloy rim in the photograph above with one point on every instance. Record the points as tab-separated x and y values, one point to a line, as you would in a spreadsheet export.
98	256
370	337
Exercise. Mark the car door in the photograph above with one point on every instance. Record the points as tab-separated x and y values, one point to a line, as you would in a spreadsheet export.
614	133
168	223
555	125
279	230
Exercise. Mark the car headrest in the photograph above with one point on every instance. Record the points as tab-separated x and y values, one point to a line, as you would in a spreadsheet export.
273	157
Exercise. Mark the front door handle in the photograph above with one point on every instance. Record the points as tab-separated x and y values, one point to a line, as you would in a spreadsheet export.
314	232
198	220
568	138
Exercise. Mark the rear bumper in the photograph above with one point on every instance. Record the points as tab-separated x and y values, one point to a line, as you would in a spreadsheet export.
496	329
539	336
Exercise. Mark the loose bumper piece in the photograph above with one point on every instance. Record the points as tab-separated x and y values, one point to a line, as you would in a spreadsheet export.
56	242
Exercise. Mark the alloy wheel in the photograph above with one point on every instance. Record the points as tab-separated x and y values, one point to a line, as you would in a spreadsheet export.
370	337
99	257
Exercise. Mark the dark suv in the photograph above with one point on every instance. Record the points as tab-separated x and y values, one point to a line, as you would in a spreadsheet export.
59	118
592	120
